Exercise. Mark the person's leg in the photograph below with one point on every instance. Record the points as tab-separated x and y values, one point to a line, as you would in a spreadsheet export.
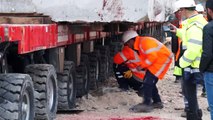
157	103
118	72
191	96
203	94
199	78
148	84
186	104
122	82
208	78
155	95
177	72
183	92
177	79
186	108
136	85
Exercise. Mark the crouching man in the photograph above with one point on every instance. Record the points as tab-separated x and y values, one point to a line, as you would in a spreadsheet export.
149	55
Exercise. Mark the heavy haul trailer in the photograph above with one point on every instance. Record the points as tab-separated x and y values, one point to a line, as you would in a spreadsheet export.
52	53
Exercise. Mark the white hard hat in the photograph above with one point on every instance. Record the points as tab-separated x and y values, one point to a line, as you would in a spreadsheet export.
199	8
175	7
185	3
129	35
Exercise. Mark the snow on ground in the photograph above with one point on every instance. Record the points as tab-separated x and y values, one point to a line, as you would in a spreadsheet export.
111	102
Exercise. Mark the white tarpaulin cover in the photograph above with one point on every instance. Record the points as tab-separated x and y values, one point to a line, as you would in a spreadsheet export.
92	10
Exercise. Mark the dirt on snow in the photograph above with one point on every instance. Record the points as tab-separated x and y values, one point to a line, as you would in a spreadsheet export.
110	103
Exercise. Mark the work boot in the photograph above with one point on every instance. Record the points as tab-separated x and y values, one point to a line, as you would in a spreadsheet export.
191	116
183	114
141	108
157	105
177	79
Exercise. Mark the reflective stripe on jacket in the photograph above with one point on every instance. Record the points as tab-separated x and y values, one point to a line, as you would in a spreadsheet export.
155	56
132	60
193	41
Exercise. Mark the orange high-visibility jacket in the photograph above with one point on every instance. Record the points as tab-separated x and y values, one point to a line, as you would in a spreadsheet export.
132	60
154	56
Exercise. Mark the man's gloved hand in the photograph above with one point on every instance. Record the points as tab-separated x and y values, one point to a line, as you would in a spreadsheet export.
128	74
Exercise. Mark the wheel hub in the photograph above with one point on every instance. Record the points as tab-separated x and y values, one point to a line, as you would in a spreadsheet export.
50	91
70	87
26	106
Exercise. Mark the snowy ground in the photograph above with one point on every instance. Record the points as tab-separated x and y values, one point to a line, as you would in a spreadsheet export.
110	103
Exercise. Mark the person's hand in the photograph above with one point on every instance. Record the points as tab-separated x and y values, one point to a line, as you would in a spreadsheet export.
128	74
173	28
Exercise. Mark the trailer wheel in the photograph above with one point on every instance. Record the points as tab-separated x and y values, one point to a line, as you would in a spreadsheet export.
115	47
81	80
104	65
46	90
94	59
17	97
67	87
82	76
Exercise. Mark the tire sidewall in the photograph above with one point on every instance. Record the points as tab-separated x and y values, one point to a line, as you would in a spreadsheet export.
52	76
27	86
71	92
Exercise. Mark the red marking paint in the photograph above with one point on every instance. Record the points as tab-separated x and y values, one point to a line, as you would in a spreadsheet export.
139	118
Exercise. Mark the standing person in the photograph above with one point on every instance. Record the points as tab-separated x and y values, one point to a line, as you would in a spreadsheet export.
200	10
206	64
155	58
176	47
178	51
191	34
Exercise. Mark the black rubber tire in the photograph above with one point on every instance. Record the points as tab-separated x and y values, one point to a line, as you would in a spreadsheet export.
46	90
82	76
67	87
94	59
16	90
4	64
105	62
115	47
